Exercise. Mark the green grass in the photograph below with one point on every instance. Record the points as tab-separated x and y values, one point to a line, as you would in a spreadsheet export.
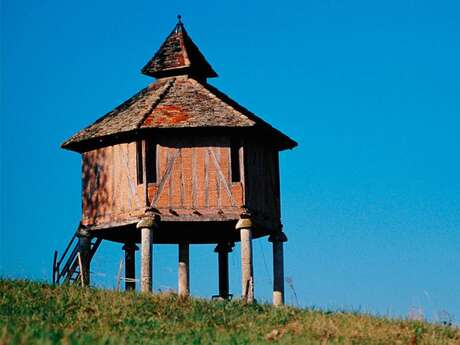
35	313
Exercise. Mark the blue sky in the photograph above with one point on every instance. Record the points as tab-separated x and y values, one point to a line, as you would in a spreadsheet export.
371	197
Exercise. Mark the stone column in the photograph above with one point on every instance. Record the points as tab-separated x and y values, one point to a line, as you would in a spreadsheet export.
130	265
184	276
244	225
278	239
222	249
147	225
84	249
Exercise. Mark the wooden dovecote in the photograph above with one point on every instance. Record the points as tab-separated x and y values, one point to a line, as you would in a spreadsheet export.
187	158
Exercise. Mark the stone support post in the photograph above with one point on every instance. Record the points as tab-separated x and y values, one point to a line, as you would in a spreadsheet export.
147	226
244	225
278	267
183	270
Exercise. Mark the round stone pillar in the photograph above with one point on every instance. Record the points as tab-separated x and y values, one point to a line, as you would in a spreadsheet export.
147	225
184	275
244	225
278	239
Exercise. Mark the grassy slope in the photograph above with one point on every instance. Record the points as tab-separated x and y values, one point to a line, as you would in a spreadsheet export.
34	313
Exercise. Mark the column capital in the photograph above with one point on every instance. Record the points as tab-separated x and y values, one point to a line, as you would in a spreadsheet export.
278	237
224	247
244	223
245	212
83	232
150	220
128	246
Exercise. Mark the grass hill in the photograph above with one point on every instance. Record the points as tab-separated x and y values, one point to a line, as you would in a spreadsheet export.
36	313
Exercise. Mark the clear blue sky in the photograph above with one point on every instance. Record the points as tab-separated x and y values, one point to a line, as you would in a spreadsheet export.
370	90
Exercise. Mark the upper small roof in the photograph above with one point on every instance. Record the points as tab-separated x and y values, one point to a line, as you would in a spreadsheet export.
178	55
180	98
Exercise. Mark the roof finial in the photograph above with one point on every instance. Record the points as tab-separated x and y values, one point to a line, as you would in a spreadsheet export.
179	25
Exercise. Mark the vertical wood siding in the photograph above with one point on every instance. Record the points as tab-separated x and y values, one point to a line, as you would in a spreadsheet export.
109	184
262	181
195	174
192	173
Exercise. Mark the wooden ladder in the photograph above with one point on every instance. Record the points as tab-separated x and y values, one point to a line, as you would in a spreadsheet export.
67	268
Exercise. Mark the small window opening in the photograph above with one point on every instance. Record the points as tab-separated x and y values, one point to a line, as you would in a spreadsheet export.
139	163
150	162
235	160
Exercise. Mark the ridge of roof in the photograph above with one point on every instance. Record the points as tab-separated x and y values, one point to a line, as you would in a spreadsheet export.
160	95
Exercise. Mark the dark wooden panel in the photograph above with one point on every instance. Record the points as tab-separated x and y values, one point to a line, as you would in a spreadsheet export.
262	182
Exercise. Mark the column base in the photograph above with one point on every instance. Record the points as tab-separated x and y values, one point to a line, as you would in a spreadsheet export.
278	298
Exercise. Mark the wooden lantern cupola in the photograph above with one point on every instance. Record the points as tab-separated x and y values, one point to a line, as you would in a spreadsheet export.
181	163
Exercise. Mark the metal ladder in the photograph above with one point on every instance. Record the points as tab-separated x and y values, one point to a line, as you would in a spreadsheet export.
67	268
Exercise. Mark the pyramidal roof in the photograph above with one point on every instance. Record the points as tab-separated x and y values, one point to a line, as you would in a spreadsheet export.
178	55
180	98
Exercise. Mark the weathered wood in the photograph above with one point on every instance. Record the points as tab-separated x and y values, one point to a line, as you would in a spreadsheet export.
120	270
261	183
223	275
84	250
111	163
194	179
181	179
242	166
82	271
166	177
278	273
130	188
55	268
183	274
206	179
144	173
225	181
170	179
130	265
278	238
222	250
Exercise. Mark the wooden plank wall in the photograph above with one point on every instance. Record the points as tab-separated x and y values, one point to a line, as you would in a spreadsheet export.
192	174
195	173
262	180
110	190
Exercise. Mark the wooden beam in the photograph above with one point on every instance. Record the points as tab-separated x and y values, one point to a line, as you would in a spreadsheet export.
84	249
144	172
130	266
222	250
